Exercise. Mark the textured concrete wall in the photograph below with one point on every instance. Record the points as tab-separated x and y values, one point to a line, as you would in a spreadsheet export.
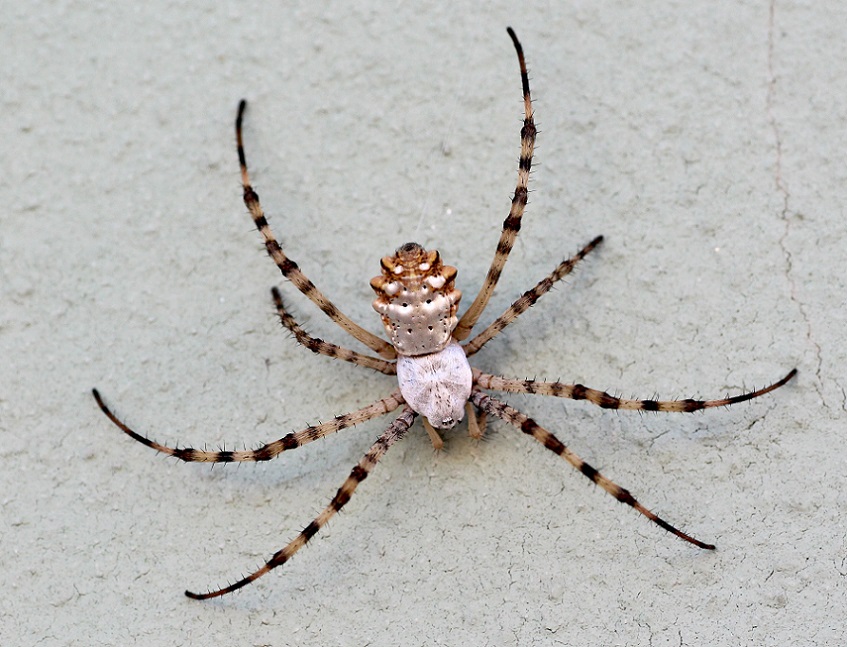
704	140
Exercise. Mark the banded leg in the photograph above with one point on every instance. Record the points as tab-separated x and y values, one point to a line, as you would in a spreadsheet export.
265	452
289	268
395	432
528	299
528	426
321	347
512	224
606	401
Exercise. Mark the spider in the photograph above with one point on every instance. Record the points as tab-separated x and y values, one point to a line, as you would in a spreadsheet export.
418	303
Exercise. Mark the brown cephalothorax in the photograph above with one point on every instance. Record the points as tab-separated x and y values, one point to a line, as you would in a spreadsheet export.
417	300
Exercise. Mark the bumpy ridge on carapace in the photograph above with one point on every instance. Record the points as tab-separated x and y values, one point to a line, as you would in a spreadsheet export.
417	300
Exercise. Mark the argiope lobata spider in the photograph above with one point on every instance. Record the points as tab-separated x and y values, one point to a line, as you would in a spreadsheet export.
418	303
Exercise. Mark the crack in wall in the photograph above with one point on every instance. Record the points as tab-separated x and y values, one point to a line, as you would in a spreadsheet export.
782	189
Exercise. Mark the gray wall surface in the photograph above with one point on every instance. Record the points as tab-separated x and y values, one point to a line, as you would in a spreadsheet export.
705	140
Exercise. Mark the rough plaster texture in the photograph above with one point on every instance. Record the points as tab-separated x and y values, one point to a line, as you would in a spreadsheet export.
705	140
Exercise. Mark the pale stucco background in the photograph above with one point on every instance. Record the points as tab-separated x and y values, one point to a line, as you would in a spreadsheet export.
705	140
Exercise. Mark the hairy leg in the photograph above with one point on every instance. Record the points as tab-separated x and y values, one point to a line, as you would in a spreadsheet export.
395	432
317	345
476	422
528	299
528	426
606	401
289	268
270	450
512	224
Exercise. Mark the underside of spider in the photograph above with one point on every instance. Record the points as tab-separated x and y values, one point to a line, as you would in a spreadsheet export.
418	302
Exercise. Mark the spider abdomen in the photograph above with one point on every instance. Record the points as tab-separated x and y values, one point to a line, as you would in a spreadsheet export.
437	385
417	300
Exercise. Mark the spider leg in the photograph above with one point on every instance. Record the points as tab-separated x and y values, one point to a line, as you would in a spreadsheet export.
270	450
606	401
528	426
528	299
476	423
482	422
289	268
321	347
434	437
395	432
512	224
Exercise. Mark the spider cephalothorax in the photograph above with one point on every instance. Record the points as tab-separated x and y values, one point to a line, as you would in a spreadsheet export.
418	302
437	385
